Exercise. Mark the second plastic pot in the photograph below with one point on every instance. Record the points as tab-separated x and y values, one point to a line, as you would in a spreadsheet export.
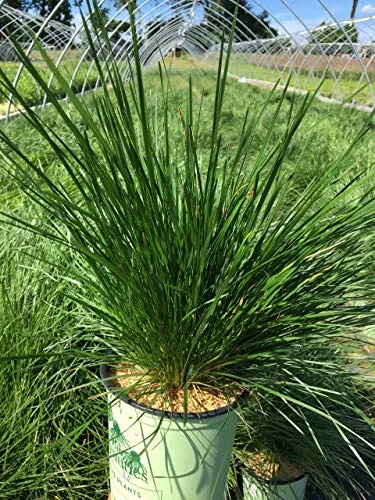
291	490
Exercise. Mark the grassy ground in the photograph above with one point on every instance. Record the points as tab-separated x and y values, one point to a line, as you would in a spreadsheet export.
342	90
350	87
32	93
301	79
52	436
53	425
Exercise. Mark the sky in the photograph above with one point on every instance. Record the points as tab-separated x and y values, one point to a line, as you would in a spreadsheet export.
312	12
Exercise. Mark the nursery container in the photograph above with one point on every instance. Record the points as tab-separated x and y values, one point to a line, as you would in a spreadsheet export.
161	456
285	490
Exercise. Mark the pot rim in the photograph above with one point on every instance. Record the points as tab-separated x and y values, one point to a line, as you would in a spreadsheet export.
104	375
278	483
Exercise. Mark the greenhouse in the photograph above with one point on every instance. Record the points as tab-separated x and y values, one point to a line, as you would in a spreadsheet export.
187	249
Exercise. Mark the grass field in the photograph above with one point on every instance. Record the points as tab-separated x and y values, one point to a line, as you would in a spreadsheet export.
53	410
301	79
256	67
32	93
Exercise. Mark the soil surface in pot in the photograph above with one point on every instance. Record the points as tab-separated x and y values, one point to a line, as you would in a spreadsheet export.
269	470
152	395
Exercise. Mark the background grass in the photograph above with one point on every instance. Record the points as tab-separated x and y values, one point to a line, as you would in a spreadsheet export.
302	79
53	413
52	435
344	89
30	89
348	83
326	133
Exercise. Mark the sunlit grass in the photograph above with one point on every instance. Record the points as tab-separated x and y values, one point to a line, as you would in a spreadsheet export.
52	436
344	89
31	91
300	79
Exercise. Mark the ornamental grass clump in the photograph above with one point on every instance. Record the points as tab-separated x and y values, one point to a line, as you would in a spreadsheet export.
287	442
200	271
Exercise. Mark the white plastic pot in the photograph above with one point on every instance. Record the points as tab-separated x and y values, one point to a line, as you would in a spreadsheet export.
292	490
154	458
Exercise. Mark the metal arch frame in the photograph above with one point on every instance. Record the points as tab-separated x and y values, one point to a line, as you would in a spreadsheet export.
222	20
352	45
87	50
166	40
13	16
274	62
329	11
321	45
336	23
291	36
43	25
188	40
34	18
371	59
318	44
138	21
58	29
180	4
182	34
311	32
181	30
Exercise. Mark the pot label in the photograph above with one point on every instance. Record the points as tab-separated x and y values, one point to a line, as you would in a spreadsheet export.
129	461
122	489
253	490
129	477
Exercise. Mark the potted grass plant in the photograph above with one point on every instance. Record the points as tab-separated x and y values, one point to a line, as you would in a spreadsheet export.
283	481
208	279
287	447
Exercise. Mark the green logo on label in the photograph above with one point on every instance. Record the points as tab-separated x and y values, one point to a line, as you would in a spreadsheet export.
130	461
